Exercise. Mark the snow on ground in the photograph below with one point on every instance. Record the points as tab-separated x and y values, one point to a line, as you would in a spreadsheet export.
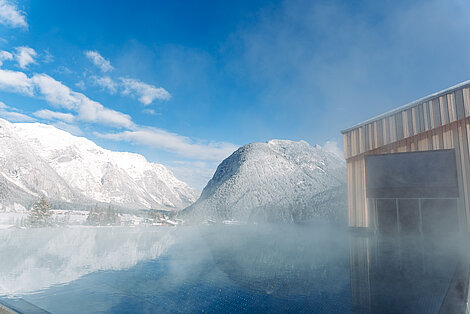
59	217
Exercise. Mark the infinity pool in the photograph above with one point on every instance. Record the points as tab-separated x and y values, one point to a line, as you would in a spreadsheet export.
224	268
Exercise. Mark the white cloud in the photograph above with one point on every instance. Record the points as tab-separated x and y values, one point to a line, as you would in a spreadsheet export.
11	16
98	60
14	81
88	110
333	147
105	83
61	96
194	173
25	56
5	55
80	85
144	92
63	70
47	57
13	115
54	115
16	116
151	111
55	92
93	111
175	143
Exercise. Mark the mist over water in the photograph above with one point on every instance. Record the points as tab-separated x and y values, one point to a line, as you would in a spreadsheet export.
38	258
226	268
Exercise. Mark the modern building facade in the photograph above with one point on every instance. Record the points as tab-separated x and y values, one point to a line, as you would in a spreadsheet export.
409	169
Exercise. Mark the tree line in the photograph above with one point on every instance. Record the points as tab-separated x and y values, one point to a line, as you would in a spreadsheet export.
40	215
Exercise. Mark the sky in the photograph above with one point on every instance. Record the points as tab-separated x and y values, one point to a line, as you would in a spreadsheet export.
185	83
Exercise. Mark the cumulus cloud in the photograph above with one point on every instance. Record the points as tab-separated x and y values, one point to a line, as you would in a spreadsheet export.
106	83
144	92
59	95
16	116
98	60
93	111
11	16
88	110
4	56
175	143
55	92
25	56
54	115
12	114
14	81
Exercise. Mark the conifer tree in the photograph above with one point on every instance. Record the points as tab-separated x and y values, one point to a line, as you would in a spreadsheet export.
101	217
40	214
112	217
94	216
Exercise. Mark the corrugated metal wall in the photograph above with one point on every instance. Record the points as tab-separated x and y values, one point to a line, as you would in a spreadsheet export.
442	122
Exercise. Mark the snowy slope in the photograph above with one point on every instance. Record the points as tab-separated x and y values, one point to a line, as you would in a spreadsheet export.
24	176
275	181
74	169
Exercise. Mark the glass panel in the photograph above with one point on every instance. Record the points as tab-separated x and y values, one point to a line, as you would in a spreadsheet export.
408	210
412	175
439	216
387	215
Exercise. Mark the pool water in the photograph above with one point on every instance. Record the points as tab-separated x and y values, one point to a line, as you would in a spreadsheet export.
226	269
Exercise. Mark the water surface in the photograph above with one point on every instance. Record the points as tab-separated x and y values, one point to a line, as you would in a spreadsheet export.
225	268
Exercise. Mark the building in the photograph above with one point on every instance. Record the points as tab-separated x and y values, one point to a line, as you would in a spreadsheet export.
409	169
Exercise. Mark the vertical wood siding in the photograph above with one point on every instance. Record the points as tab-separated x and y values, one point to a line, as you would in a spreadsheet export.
442	122
420	118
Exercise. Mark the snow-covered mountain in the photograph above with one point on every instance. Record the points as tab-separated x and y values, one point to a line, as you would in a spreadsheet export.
275	181
38	159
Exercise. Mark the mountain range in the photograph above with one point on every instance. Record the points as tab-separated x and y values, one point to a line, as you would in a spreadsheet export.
70	171
279	180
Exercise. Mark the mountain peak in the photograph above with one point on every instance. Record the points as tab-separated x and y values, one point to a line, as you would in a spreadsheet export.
276	180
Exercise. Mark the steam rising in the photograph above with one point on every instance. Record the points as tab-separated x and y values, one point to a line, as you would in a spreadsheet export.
228	268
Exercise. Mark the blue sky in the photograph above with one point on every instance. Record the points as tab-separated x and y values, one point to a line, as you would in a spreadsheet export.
186	82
